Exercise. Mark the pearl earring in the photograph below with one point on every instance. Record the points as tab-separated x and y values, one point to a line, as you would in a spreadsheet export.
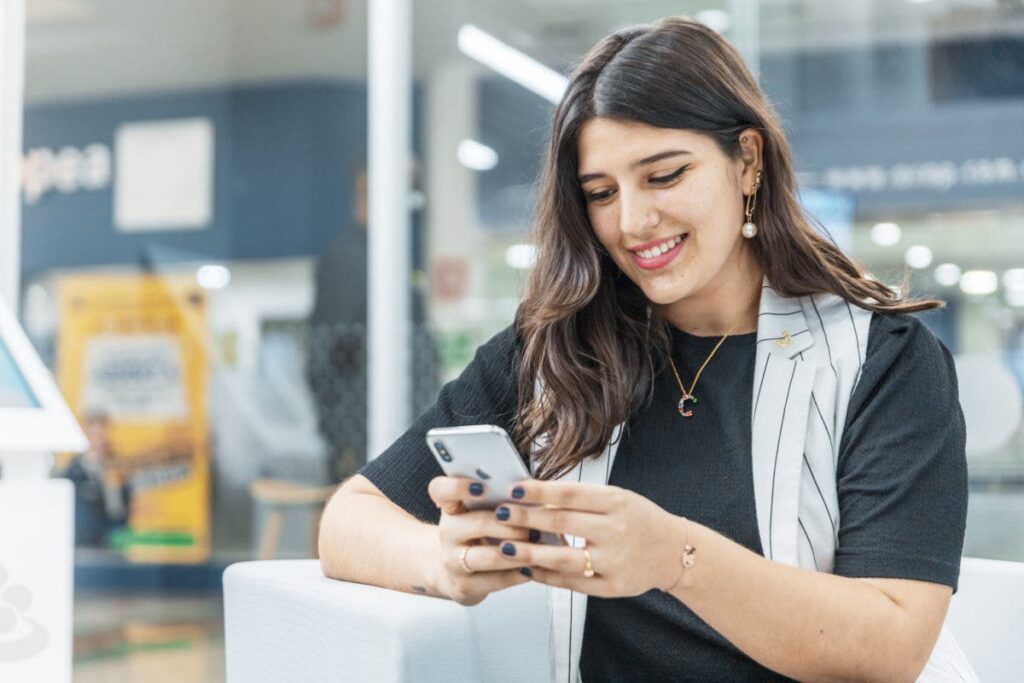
749	228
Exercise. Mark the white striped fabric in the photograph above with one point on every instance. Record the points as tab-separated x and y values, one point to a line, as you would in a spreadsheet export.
810	351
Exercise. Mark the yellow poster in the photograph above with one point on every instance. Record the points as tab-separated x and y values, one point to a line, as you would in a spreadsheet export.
131	361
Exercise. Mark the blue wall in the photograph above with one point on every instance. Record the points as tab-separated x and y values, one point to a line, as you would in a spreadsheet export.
286	154
285	160
77	229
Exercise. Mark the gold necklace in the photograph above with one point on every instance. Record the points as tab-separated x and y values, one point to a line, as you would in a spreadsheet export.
688	395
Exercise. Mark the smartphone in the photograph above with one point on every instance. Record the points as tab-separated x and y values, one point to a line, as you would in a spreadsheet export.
485	453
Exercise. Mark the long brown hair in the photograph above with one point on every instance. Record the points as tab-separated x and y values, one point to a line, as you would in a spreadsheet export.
586	331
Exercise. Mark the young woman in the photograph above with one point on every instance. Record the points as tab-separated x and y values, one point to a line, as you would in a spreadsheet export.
757	455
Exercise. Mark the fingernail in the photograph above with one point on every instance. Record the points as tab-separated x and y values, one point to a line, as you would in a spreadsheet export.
476	488
518	492
502	513
508	549
525	571
534	535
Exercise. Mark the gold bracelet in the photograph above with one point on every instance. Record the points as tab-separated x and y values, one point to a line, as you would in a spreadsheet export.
687	559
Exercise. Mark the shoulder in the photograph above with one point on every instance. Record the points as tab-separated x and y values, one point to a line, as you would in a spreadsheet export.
496	362
501	348
907	362
896	336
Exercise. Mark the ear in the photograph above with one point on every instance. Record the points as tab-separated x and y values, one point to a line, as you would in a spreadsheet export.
751	158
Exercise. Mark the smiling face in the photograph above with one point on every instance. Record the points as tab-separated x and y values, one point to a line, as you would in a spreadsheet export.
667	204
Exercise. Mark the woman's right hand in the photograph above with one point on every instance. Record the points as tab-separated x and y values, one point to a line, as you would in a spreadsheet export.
458	528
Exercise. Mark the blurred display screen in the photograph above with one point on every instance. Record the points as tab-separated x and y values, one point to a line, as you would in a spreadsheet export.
14	390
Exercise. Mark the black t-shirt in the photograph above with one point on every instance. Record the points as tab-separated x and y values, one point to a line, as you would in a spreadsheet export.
901	478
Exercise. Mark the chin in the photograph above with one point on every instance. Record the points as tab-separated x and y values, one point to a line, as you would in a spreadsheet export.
663	296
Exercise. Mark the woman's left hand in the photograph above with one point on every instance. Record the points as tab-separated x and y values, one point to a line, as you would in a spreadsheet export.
634	545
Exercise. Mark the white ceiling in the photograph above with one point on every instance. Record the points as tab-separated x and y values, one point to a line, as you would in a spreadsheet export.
98	48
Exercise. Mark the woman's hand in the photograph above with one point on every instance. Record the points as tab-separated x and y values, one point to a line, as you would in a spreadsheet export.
634	545
490	569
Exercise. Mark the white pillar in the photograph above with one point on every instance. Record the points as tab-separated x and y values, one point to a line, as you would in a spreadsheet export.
745	33
452	233
12	90
390	262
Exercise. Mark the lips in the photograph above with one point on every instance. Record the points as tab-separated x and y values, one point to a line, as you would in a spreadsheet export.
653	255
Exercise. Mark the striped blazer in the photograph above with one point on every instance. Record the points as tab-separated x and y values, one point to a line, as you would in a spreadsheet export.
810	351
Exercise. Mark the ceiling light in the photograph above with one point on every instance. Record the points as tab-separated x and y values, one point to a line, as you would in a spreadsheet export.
918	256
521	256
212	276
477	156
947	274
511	63
979	282
1013	279
886	234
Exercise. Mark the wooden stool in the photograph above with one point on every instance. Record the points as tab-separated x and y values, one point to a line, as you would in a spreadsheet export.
279	494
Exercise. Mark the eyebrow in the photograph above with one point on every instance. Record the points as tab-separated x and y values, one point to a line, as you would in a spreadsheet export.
636	164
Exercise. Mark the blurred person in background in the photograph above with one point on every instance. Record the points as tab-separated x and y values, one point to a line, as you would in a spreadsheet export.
337	362
757	454
102	494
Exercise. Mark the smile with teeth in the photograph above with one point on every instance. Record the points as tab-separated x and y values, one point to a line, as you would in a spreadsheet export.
661	248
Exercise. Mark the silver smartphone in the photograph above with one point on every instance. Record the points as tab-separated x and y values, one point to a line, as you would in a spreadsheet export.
485	453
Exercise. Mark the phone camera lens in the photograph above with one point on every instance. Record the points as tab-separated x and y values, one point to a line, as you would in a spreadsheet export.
442	451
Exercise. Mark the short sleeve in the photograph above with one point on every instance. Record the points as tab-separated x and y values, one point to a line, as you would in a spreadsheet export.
485	393
902	468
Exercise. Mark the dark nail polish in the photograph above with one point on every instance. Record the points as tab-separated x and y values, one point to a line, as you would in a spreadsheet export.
525	571
508	549
476	488
518	492
534	535
502	513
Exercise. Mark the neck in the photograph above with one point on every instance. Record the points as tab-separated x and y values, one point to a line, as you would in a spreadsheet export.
729	302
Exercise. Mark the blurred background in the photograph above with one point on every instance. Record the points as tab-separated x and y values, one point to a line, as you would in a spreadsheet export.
194	235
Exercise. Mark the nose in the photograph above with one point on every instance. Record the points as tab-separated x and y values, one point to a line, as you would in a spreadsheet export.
638	215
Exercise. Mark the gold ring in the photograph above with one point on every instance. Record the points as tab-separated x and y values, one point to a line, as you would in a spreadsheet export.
462	559
588	571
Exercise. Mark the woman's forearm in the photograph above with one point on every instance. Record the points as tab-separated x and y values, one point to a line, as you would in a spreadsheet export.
368	539
811	626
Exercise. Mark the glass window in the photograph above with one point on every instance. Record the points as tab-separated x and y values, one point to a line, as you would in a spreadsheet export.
193	270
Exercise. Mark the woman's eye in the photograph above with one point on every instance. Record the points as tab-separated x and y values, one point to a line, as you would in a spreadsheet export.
665	179
656	180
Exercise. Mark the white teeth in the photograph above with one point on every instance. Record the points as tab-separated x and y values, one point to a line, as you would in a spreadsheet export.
661	248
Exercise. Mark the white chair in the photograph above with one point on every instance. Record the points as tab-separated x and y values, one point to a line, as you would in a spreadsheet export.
986	617
285	622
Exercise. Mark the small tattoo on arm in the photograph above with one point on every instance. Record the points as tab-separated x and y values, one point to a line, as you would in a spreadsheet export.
420	589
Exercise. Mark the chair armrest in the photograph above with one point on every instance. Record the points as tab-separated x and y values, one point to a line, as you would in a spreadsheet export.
285	621
986	618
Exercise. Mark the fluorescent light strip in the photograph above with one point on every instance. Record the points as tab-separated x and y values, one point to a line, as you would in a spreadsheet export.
512	64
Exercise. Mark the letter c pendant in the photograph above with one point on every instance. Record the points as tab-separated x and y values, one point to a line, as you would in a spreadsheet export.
681	407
